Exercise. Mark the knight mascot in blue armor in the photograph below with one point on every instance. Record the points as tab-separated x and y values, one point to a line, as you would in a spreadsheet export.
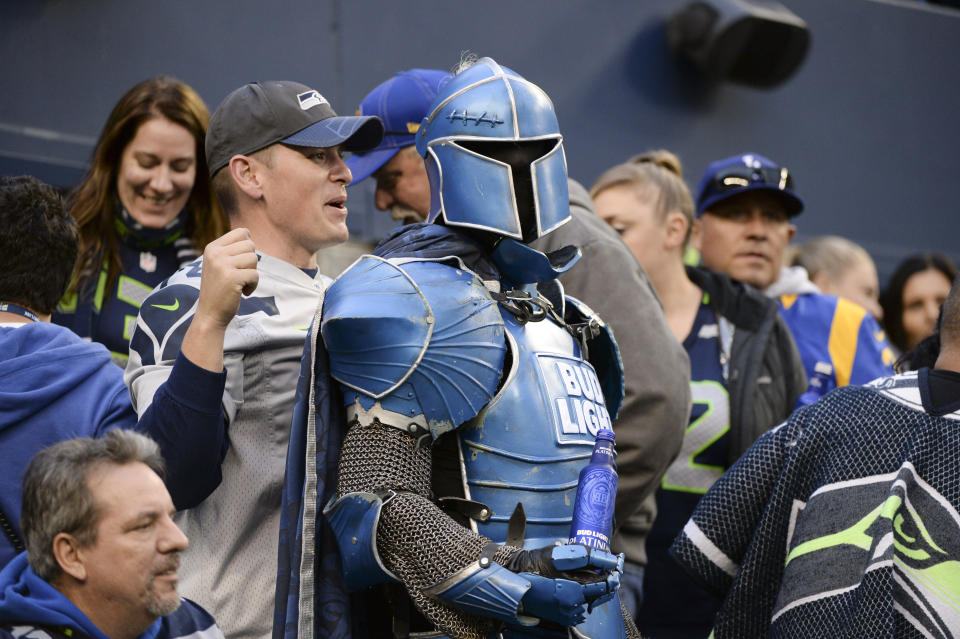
473	389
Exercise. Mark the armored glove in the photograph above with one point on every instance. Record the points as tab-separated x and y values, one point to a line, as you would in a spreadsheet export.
569	561
572	580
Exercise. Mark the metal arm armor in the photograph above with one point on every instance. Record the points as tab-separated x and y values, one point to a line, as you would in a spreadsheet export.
412	338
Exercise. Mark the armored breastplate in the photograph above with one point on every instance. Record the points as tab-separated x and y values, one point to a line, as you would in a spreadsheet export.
427	349
531	441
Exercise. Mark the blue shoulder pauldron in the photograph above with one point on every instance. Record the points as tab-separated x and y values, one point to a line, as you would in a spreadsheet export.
420	337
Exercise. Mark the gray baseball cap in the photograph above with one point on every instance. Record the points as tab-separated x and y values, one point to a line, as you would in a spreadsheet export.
262	113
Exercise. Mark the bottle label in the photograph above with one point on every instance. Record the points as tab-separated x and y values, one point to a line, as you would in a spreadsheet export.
593	512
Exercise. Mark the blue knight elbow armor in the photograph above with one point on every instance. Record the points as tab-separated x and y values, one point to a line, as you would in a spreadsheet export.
354	519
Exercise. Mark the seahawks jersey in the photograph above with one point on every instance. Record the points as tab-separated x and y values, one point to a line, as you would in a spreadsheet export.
841	522
673	604
110	316
230	567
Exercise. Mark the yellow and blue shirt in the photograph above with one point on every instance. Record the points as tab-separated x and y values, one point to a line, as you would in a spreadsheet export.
839	342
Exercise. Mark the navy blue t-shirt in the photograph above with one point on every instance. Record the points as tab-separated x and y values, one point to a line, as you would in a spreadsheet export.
674	606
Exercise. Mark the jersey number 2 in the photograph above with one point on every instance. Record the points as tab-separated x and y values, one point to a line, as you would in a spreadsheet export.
685	474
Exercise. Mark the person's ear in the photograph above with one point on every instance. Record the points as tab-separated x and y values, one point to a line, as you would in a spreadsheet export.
676	230
69	555
791	231
246	174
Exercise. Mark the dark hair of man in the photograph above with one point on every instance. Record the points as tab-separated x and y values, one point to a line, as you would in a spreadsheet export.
950	317
38	244
94	203
57	499
891	299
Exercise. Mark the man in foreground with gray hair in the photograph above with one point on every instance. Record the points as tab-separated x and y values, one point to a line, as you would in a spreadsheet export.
102	548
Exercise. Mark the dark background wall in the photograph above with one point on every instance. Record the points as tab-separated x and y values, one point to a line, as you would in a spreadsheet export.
869	125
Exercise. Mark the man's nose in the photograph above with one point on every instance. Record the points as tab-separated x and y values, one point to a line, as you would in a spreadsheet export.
756	225
383	199
340	172
172	538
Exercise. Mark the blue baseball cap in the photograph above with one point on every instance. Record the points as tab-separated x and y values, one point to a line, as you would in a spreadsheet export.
744	173
401	102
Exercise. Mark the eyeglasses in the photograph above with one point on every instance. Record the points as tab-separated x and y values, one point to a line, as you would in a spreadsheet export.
739	177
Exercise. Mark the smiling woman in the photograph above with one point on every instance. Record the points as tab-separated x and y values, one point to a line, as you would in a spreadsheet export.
144	209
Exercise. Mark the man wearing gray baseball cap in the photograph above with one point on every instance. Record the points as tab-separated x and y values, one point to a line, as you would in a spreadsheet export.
215	353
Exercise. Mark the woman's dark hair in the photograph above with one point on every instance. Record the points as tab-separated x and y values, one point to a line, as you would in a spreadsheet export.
891	299
93	203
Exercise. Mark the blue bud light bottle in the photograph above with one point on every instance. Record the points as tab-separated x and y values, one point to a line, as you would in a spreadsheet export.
820	384
592	523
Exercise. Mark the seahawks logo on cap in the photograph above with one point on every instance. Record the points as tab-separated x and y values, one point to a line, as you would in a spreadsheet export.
310	99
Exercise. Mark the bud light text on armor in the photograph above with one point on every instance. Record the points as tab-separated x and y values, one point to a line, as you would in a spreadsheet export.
592	523
579	409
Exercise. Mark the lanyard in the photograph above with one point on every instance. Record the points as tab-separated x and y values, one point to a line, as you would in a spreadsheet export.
7	307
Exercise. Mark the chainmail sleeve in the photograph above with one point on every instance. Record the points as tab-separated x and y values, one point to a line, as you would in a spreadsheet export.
416	540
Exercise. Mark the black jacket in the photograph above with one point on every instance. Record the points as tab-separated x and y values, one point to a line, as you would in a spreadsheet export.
761	396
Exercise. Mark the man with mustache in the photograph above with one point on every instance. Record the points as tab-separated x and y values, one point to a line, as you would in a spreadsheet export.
216	352
744	207
102	548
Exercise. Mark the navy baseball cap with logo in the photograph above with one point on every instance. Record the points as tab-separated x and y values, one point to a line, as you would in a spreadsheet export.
263	113
401	102
744	173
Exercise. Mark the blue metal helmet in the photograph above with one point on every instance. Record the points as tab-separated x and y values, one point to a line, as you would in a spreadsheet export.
494	155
